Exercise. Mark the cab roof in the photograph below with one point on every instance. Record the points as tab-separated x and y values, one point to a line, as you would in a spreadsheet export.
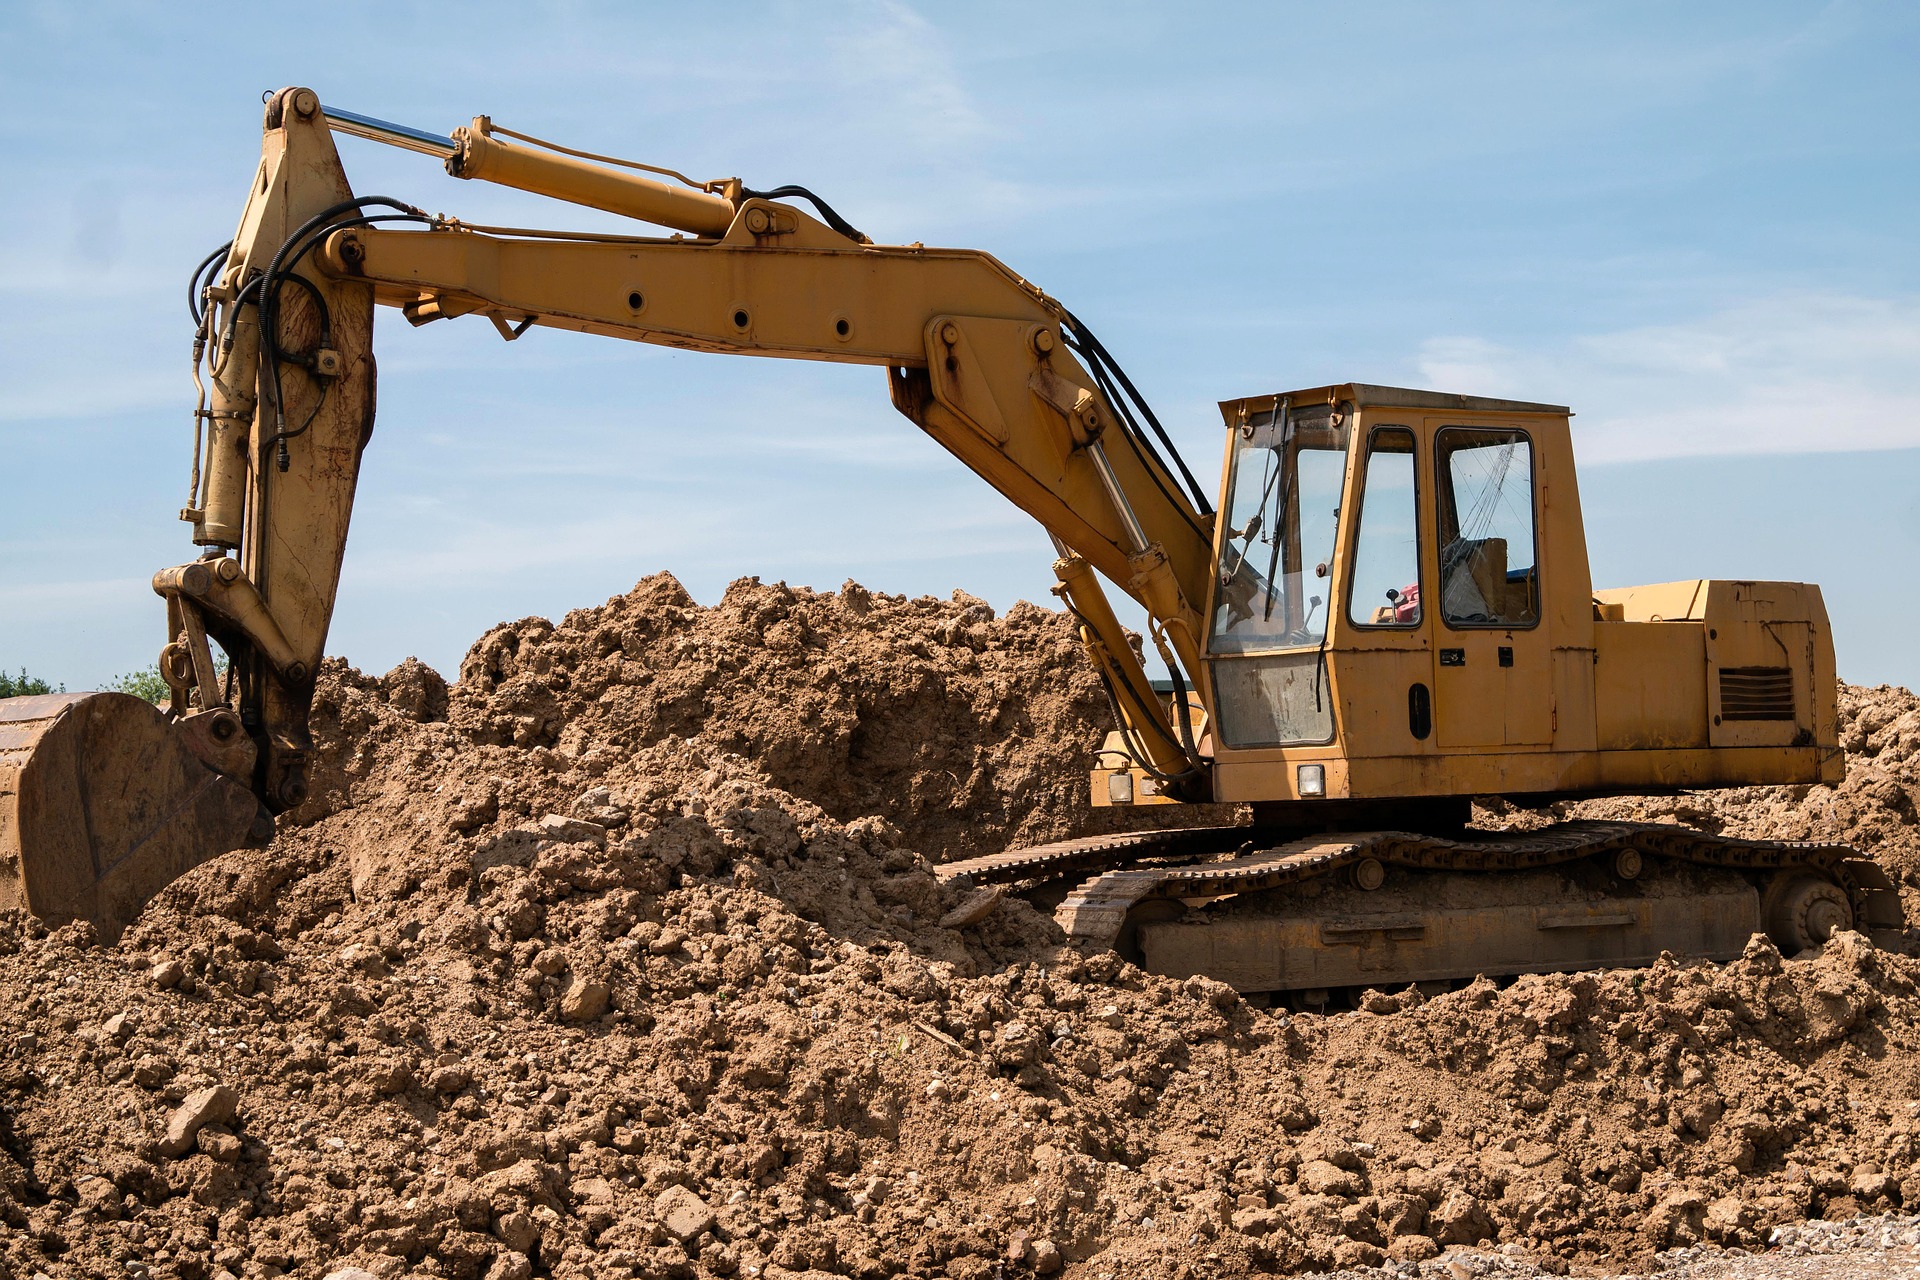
1364	394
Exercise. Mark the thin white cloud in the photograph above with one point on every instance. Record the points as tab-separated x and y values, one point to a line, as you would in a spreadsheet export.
87	400
105	595
1788	373
901	69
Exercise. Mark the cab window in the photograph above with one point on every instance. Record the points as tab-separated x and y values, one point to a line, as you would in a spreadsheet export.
1489	576
1385	590
1283	511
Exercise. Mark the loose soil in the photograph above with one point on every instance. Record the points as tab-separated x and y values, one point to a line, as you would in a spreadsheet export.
622	956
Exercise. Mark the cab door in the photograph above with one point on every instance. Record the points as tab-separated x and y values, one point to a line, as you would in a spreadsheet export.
1493	660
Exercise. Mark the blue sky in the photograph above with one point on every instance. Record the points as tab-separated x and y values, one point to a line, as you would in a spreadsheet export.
1695	224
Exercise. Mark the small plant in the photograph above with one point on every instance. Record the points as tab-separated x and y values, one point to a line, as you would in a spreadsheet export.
149	684
145	684
24	685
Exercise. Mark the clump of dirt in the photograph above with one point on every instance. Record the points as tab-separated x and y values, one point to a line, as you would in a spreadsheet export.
623	957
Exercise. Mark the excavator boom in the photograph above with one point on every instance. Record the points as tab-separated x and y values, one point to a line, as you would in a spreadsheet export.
103	800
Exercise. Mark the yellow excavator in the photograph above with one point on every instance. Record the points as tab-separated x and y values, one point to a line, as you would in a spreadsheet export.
1390	612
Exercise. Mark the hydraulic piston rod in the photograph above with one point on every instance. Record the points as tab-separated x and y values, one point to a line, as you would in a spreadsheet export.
475	152
394	135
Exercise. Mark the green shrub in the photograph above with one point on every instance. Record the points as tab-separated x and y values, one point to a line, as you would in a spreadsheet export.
142	684
24	685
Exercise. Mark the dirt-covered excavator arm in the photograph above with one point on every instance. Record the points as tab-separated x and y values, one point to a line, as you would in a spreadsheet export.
993	369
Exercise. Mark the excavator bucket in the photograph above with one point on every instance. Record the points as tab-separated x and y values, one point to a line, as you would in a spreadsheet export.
102	804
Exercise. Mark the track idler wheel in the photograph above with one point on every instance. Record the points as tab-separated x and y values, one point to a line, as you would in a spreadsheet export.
104	802
1802	911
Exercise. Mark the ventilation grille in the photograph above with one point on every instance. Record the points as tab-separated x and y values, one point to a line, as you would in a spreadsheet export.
1756	693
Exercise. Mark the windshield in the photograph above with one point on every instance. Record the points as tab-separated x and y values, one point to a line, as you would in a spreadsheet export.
1283	510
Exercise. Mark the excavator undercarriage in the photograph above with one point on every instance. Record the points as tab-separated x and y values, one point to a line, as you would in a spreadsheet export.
1327	912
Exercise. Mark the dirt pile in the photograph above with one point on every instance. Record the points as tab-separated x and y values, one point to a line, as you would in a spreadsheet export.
570	972
965	730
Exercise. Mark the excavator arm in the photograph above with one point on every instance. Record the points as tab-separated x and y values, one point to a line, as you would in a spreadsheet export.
986	364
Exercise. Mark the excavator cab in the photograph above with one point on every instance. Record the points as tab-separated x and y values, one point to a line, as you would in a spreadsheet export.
1403	617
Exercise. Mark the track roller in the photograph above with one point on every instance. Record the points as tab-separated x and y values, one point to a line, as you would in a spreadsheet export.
1803	911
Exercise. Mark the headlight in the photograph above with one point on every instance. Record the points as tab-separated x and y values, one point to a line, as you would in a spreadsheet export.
1311	779
1120	788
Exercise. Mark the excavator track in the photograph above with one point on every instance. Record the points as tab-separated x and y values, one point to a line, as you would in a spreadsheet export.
1044	862
1153	897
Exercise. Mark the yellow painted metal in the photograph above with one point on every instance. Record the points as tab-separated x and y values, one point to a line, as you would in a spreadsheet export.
1611	691
1650	685
977	359
479	155
1147	726
1657	602
778	300
1342	944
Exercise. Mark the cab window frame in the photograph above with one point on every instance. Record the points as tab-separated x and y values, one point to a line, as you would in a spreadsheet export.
1352	565
1444	497
1340	418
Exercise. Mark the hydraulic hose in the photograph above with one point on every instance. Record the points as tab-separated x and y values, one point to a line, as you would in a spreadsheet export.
827	215
1098	351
